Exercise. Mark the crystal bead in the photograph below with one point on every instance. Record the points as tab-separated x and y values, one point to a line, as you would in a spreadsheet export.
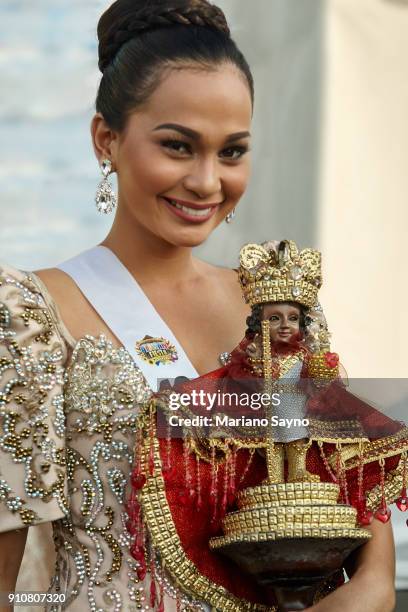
5	317
137	553
383	514
106	167
402	501
295	273
105	198
296	291
224	358
138	481
402	504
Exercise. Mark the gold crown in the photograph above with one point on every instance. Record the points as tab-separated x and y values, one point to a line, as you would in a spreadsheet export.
281	273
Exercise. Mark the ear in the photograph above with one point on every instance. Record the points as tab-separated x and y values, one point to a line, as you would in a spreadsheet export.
104	140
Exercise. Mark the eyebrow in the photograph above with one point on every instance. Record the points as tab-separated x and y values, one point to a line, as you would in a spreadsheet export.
195	135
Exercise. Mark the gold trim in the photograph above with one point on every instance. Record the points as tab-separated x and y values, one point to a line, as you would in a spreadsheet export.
286	363
163	533
388	446
274	518
383	447
289	493
392	489
296	532
331	431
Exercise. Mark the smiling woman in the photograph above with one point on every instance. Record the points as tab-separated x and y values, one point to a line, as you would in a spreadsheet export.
198	155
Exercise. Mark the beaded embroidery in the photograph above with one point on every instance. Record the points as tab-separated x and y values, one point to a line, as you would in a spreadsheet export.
91	405
90	399
29	377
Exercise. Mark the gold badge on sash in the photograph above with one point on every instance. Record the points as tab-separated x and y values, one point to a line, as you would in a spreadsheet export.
156	351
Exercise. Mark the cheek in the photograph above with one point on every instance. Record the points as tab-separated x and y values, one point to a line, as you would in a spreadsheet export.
236	180
145	168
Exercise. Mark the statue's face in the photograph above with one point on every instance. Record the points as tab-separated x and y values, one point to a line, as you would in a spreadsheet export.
284	320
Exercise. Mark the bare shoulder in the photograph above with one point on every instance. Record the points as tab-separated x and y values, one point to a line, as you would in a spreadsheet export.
77	314
53	277
60	285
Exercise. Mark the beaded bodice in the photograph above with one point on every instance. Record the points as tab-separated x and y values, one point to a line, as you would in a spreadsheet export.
102	390
67	432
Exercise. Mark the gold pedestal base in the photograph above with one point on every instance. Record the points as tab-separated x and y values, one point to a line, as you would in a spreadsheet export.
291	536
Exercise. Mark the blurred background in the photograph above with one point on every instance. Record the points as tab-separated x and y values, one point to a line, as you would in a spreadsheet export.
330	161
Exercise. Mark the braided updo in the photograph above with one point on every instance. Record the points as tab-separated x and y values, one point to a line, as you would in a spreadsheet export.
139	39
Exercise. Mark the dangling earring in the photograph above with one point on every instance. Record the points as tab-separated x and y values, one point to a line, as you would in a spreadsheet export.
105	198
230	216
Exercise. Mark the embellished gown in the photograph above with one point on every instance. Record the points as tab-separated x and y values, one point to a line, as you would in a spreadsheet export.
68	413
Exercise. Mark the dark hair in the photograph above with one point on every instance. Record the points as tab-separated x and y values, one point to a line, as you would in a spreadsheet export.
254	320
139	39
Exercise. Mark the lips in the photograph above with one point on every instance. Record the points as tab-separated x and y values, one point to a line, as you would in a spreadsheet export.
284	335
195	213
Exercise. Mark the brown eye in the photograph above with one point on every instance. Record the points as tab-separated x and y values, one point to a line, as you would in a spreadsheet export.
234	153
178	146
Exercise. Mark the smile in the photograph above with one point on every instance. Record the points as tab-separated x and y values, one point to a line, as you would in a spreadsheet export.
190	213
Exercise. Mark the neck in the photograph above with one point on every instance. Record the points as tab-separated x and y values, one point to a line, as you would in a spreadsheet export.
148	257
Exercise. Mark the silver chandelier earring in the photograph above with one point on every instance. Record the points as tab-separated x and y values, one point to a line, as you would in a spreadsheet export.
105	198
230	216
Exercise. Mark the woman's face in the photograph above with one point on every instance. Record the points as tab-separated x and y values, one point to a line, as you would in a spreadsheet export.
182	160
284	320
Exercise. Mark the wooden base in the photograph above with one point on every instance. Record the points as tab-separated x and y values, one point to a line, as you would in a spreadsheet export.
292	569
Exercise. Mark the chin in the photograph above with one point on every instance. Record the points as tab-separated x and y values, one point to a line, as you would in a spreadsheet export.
191	237
188	241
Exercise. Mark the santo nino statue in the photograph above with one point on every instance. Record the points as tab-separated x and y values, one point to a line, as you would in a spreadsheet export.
191	493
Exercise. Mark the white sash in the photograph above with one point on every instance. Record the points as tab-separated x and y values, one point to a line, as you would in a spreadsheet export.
126	310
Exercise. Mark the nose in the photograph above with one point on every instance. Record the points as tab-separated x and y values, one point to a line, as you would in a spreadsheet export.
204	179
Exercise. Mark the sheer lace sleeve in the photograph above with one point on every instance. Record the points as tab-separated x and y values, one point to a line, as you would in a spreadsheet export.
32	423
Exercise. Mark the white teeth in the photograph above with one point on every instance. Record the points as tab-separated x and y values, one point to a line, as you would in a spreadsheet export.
191	211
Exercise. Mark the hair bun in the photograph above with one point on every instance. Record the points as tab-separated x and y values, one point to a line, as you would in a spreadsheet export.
124	19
